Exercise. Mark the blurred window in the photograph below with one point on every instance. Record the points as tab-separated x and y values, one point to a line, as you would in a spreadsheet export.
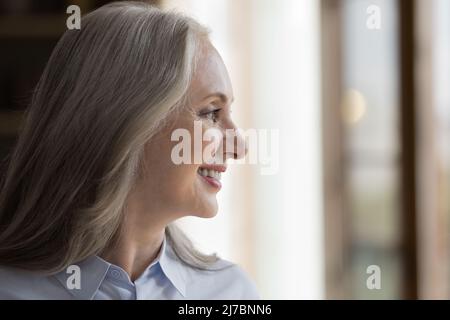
370	119
441	81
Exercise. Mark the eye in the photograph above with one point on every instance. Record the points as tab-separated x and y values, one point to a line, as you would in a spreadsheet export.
212	115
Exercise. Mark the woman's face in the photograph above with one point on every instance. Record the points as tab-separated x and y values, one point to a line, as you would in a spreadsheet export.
175	190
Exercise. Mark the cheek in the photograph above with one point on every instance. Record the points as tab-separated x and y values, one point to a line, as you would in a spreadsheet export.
175	185
174	182
185	193
177	188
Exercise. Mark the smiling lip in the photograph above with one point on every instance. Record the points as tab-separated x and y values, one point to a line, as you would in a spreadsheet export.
213	182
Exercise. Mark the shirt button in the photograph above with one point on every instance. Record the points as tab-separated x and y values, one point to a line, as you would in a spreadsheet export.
115	274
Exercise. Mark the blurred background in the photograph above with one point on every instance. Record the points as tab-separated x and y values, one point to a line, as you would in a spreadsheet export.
358	91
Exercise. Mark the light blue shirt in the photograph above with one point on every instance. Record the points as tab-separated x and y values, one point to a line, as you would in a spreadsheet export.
165	278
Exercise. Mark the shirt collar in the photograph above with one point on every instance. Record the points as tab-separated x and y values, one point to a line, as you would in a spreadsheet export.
94	269
173	268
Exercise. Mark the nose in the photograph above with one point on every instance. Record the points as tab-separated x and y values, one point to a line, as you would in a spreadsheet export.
235	144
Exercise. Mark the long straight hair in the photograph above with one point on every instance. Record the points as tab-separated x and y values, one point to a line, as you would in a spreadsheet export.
105	91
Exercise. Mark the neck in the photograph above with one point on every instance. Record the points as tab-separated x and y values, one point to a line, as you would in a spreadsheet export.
139	242
134	256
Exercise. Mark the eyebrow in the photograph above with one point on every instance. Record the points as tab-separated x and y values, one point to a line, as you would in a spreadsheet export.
223	97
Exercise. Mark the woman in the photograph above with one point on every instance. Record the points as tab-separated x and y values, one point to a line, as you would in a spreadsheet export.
91	192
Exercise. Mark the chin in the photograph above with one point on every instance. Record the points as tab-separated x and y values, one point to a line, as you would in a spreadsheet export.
209	211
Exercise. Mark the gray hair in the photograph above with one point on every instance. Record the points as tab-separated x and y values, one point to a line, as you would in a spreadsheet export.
64	191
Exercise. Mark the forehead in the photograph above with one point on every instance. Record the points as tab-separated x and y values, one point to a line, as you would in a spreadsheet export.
210	76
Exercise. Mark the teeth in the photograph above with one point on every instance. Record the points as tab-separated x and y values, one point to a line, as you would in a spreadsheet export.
209	173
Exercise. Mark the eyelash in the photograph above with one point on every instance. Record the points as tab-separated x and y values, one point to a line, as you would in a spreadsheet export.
213	113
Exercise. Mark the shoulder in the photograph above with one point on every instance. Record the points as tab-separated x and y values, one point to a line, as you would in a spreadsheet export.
21	284
225	280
